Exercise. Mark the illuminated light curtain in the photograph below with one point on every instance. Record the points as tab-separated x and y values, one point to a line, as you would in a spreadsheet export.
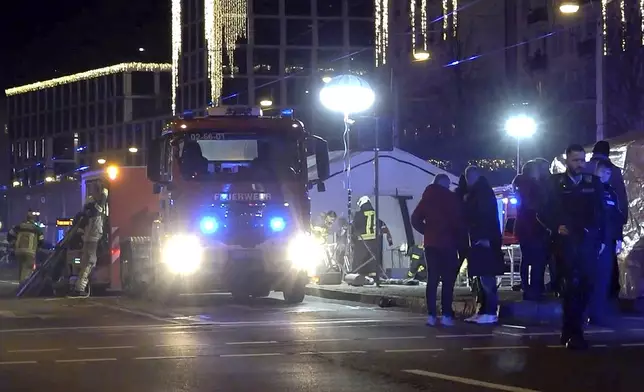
454	17
412	20
445	20
423	24
382	30
225	22
642	19
622	12
604	26
176	50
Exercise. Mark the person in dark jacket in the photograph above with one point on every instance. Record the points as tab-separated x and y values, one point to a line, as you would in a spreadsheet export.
533	236
439	217
601	152
484	258
614	225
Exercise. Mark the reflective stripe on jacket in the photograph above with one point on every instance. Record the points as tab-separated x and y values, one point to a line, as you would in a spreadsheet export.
27	238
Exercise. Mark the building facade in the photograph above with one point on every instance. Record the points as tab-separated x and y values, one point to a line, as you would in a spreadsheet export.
56	126
61	127
249	52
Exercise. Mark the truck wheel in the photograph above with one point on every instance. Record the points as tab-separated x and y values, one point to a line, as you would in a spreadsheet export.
295	295
261	293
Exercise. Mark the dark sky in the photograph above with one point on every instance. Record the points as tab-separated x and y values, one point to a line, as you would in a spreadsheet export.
42	39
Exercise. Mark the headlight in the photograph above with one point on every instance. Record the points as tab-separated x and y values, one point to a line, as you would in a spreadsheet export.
182	254
305	253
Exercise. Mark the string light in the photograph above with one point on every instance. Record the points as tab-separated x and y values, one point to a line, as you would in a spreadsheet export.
454	17
176	50
423	22
445	21
381	25
412	17
92	74
622	12
604	25
225	22
642	19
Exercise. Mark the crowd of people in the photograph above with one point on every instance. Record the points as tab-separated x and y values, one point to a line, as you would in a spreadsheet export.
571	222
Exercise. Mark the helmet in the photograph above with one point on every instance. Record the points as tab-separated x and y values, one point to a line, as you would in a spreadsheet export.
363	200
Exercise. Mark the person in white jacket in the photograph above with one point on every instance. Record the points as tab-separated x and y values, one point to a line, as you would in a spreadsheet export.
94	217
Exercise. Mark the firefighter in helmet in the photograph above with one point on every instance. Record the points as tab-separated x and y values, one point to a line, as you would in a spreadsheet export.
25	239
321	230
365	245
92	231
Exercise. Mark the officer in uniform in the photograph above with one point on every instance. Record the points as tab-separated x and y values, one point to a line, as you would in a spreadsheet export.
366	247
26	238
615	221
574	214
92	228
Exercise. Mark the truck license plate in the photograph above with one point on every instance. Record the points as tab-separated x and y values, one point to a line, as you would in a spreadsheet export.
244	254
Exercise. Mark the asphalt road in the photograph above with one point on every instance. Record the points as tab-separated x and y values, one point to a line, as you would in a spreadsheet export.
208	343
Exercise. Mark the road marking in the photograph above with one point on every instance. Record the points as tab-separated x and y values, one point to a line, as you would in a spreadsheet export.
10	282
138	313
256	342
473	335
398	338
495	348
106	348
251	355
592	332
86	328
599	345
468	381
85	360
321	340
415	350
342	352
166	357
18	363
183	345
556	346
35	350
632	344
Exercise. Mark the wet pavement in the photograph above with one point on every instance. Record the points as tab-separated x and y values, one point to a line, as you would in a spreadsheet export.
209	343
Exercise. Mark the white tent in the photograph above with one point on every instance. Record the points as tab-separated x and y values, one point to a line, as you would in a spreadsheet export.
403	178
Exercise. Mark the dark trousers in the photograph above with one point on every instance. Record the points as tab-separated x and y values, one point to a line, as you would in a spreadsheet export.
487	295
578	261
442	265
602	274
615	286
534	257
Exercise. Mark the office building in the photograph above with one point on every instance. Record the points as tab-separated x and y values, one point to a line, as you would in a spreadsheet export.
273	52
63	126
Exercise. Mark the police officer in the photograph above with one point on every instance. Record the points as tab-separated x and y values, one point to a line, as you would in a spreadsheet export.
574	214
615	221
92	226
366	247
26	238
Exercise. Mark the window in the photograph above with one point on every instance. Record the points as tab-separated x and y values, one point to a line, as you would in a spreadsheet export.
109	142
239	60
361	33
296	91
298	62
299	32
110	113
266	61
83	117
267	31
362	62
100	142
66	125
297	7
264	7
235	91
100	111
118	137
266	88
330	8
330	60
331	32
361	8
63	147
92	116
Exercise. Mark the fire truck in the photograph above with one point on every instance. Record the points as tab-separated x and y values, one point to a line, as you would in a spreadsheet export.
234	212
221	205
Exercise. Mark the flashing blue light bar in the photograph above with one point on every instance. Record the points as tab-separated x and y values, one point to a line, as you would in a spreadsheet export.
513	200
277	224
208	225
287	112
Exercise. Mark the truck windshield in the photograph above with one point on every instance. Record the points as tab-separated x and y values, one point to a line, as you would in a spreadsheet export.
248	157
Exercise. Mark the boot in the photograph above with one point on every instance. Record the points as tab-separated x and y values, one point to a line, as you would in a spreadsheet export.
577	343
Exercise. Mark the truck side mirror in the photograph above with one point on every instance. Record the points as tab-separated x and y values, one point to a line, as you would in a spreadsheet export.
322	158
154	160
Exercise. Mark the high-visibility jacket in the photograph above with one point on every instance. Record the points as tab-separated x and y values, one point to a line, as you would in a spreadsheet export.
26	237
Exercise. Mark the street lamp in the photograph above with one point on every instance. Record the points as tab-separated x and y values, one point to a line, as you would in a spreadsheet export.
101	161
265	103
572	7
520	127
133	150
326	79
421	55
349	94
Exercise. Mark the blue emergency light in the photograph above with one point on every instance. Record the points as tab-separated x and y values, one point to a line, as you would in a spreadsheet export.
277	223
208	225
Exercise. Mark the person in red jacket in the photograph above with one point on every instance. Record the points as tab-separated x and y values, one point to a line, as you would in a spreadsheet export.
439	217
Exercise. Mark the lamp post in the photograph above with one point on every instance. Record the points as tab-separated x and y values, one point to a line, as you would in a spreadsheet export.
568	7
348	94
520	127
